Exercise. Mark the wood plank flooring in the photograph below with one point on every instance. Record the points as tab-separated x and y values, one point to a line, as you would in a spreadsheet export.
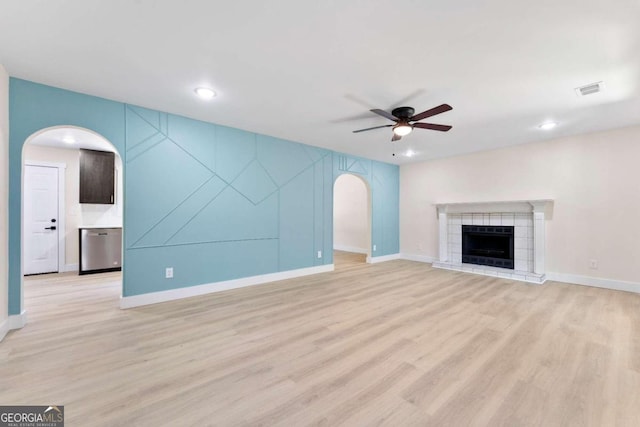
397	343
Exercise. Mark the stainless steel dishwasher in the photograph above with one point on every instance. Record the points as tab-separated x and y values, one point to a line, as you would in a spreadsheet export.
100	250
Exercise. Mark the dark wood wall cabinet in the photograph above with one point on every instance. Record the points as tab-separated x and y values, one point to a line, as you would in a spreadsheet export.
97	177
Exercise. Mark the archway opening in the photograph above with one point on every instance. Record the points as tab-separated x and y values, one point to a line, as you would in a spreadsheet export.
57	222
351	221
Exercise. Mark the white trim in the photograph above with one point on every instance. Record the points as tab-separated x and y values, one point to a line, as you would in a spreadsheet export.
539	245
71	267
4	329
208	288
443	234
353	249
17	321
61	223
494	207
598	282
572	279
418	258
383	258
45	164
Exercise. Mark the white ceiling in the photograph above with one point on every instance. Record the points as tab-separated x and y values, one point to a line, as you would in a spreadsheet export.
71	138
310	71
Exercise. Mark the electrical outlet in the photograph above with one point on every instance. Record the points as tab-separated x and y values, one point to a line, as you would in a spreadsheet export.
374	248
593	264
319	254
168	273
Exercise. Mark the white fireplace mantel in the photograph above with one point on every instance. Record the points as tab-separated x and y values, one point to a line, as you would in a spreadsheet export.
495	207
537	212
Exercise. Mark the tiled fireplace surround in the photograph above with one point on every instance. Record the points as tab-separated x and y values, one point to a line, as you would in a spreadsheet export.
528	218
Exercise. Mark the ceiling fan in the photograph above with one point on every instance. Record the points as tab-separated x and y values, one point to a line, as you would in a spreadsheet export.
406	120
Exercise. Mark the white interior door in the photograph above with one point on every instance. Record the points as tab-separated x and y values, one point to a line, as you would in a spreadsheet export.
40	220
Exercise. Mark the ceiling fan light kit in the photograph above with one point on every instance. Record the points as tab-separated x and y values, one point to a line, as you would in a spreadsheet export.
402	129
406	120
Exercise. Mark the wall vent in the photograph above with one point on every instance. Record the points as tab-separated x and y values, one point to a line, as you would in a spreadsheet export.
589	89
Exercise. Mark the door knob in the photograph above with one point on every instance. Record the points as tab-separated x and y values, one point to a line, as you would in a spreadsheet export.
53	227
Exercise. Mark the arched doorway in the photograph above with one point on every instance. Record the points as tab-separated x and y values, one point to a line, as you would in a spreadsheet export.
351	220
52	216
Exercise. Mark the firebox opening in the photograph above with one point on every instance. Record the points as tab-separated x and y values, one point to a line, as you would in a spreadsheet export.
488	245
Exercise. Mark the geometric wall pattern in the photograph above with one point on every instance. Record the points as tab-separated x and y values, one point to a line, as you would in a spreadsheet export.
197	188
353	165
384	182
214	203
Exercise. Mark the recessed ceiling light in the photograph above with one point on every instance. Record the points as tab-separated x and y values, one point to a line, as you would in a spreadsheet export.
548	125
410	153
68	140
205	93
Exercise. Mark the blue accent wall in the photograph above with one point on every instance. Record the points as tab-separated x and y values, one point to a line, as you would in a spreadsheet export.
384	183
214	203
33	107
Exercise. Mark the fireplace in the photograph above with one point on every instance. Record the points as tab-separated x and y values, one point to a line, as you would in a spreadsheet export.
488	245
520	225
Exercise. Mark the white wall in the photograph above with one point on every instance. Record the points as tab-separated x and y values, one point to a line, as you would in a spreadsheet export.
594	180
350	214
4	199
78	215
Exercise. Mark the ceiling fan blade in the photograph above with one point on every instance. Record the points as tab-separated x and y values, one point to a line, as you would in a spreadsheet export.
431	126
375	127
395	137
432	112
384	114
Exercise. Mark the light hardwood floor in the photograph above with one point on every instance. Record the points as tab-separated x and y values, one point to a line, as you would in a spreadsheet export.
396	343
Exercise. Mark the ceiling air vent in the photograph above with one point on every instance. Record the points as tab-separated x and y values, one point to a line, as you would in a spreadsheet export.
589	89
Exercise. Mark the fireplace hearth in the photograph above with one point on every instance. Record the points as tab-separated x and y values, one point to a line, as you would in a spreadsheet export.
488	245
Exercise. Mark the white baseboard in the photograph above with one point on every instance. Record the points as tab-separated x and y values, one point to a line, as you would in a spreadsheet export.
70	267
618	285
350	249
383	258
418	258
16	321
208	288
4	328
